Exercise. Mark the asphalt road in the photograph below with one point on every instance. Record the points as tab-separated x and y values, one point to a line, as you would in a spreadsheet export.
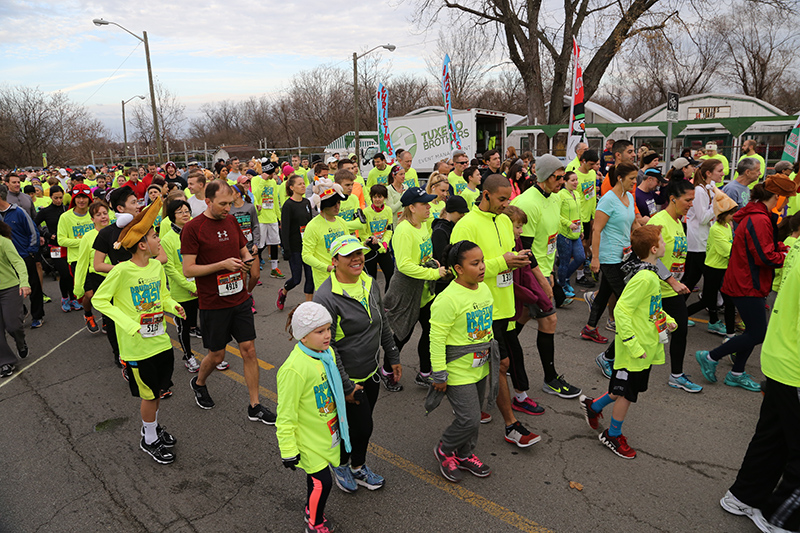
70	458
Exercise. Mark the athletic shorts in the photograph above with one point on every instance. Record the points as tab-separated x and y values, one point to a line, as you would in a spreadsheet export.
149	377
270	234
219	326
92	282
628	384
536	312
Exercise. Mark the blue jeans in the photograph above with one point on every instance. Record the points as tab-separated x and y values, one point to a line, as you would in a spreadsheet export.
568	250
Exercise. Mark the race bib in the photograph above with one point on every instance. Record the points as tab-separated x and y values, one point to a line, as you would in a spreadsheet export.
505	279
230	283
151	324
677	270
57	252
551	244
479	358
626	253
267	203
660	320
302	231
578	222
140	202
248	234
333	427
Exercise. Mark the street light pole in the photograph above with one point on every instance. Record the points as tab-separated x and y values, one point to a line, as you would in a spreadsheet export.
143	39
124	125
357	139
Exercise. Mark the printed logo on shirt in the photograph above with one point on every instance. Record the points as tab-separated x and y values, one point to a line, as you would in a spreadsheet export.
243	219
587	190
377	227
331	236
409	183
479	321
324	396
425	251
82	229
679	247
655	304
347	214
460	188
146	294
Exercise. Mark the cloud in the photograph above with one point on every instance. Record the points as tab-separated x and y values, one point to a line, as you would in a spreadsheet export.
92	83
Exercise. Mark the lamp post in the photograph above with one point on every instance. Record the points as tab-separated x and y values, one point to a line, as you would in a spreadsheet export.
356	57
124	127
143	39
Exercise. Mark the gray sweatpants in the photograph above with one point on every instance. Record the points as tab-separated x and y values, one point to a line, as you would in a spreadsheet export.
11	316
462	435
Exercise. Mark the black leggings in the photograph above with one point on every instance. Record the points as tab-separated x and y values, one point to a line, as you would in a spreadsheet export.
712	282
612	280
298	267
359	421
66	278
424	345
319	486
675	306
693	270
185	326
754	315
386	262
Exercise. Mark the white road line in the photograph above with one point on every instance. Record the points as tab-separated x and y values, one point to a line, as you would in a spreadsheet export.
26	367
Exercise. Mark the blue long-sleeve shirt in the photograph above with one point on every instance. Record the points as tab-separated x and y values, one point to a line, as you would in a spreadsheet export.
24	234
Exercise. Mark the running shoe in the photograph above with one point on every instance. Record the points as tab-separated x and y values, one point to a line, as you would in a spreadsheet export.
561	388
744	380
423	381
690	323
588	297
201	395
324	527
591	334
281	303
276	273
606	366
65	305
683	382
91	325
592	417
517	434
618	445
307	518
259	413
485	417
566	302
103	328
191	364
6	370
22	348
473	465
448	464
46	299
258	283
166	438
611	325
733	505
367	478
158	451
224	365
37	323
527	406
717	327
124	367
344	479
707	368
389	381
195	332
166	394
585	281
569	292
75	305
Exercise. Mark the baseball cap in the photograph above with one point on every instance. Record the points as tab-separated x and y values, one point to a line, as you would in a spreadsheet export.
345	245
414	195
330	160
680	163
456	204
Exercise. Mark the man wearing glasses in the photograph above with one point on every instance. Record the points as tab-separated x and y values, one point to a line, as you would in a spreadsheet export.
456	176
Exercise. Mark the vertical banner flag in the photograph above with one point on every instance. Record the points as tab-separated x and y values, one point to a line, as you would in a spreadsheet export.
790	150
384	135
455	138
577	116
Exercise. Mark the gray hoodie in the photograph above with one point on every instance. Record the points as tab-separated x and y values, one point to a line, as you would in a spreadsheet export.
358	349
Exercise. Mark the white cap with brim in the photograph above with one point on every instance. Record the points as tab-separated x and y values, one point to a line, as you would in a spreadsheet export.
345	245
680	163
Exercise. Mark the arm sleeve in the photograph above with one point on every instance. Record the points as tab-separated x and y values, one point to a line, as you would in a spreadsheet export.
626	309
310	242
85	254
102	302
286	226
390	350
16	262
174	269
167	301
702	207
760	246
387	236
404	255
64	238
254	226
290	385
442	320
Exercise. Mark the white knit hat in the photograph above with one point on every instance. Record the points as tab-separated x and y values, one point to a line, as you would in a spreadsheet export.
307	317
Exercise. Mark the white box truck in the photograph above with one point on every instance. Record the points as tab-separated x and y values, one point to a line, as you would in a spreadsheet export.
423	132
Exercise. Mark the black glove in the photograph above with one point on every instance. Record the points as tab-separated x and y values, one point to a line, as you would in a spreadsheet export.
291	462
360	215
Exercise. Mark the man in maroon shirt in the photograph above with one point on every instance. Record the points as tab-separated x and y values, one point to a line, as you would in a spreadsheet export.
215	253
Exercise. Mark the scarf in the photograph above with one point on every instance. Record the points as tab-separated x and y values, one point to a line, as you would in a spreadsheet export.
335	383
633	266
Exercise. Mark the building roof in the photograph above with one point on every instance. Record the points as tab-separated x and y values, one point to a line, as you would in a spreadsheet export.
739	105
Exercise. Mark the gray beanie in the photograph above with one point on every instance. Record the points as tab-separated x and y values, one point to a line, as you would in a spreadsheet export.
307	317
546	165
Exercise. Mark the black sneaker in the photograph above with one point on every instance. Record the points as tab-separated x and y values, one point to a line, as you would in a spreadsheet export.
389	382
201	395
22	351
473	465
22	346
423	381
195	332
166	438
559	387
158	451
585	282
6	370
259	413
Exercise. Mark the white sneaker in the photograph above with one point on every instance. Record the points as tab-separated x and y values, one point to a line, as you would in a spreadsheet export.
223	366
191	364
733	505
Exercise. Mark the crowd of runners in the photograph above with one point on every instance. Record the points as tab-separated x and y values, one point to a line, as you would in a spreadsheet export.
468	257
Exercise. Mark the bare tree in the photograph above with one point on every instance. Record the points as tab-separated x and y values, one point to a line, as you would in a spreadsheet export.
466	47
407	93
171	117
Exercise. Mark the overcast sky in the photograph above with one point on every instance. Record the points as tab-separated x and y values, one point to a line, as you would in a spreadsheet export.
202	51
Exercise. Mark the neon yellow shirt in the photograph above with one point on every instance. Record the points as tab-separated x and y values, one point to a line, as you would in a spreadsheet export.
780	354
412	249
457	182
776	284
317	238
412	180
570	213
470	195
718	246
587	183
86	262
267	203
180	287
379	225
675	242
544	221
376	176
71	229
460	317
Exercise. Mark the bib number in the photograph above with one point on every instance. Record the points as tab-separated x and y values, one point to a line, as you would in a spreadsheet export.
57	252
578	222
140	202
479	358
248	234
505	279
302	231
267	203
333	426
551	244
677	270
230	283
151	324
626	253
